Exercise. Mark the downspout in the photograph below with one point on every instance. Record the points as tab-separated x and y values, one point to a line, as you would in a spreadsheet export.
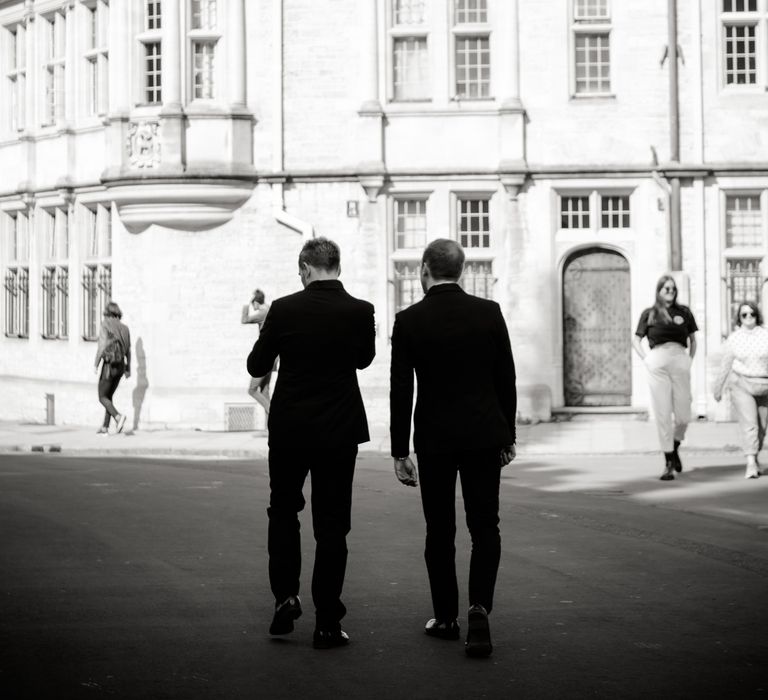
291	221
675	239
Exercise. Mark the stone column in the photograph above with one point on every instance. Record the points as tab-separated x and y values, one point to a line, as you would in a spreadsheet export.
31	66
371	166
32	73
237	54
241	124
121	77
118	38
67	114
171	56
511	112
72	94
172	113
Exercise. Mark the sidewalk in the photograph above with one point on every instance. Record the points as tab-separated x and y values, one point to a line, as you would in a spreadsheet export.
579	436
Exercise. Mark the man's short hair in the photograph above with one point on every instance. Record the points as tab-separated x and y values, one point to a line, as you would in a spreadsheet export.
321	253
258	296
444	258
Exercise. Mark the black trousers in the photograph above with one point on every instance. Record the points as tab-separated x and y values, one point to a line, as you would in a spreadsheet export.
108	380
480	472
331	472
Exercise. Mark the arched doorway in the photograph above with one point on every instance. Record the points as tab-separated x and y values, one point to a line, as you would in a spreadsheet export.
596	329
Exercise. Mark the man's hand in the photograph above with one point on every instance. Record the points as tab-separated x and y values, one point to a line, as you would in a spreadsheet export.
96	369
718	395
127	374
508	453
405	470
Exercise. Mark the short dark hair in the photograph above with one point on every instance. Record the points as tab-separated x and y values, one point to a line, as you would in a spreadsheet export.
112	309
321	253
755	310
444	258
258	296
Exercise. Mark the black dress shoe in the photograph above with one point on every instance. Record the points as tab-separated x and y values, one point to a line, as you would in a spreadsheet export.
669	467
478	644
676	463
285	613
328	639
442	629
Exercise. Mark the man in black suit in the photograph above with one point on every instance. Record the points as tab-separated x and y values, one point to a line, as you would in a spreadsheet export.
317	419
466	428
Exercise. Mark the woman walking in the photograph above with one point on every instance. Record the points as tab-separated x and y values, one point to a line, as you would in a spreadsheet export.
670	329
114	349
746	361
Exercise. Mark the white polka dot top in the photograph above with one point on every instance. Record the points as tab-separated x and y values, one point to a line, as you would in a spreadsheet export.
746	352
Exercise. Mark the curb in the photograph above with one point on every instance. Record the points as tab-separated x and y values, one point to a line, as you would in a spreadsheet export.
180	452
53	447
263	453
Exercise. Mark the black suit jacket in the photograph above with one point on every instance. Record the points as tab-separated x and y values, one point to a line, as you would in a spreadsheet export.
323	336
459	347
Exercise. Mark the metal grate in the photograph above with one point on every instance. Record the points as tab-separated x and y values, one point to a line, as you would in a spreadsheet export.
240	417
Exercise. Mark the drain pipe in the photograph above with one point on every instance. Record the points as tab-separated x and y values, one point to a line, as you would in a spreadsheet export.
290	221
675	223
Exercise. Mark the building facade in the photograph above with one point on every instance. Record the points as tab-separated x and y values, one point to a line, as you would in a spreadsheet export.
174	154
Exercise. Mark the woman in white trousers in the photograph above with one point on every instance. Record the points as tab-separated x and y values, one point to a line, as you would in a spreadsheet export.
745	359
670	330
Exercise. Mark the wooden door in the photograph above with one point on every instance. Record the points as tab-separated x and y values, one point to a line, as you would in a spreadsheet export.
597	329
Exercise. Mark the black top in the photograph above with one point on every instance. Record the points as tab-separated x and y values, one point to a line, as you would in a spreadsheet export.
441	337
662	331
323	335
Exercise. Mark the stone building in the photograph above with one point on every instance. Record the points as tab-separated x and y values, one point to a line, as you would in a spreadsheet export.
173	155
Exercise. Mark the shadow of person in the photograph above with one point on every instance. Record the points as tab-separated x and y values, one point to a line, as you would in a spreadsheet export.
142	383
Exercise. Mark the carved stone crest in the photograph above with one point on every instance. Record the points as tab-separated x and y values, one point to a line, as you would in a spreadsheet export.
143	144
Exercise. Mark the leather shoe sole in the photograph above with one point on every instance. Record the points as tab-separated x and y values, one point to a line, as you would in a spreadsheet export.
478	644
285	614
442	629
323	639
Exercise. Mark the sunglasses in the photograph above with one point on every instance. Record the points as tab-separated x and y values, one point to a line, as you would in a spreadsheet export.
668	289
747	314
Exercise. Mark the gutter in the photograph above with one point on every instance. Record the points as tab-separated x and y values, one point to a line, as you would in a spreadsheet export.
675	224
291	221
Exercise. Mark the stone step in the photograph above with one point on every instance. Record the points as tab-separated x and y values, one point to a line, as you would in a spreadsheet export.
599	413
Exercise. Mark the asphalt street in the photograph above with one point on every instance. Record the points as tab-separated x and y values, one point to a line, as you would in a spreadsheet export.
147	578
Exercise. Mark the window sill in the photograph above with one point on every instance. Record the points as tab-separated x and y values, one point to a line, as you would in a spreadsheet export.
472	100
410	101
209	108
592	96
741	91
478	254
91	123
743	252
453	107
148	108
408	254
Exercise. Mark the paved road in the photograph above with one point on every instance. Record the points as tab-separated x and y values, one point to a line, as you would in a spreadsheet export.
130	578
